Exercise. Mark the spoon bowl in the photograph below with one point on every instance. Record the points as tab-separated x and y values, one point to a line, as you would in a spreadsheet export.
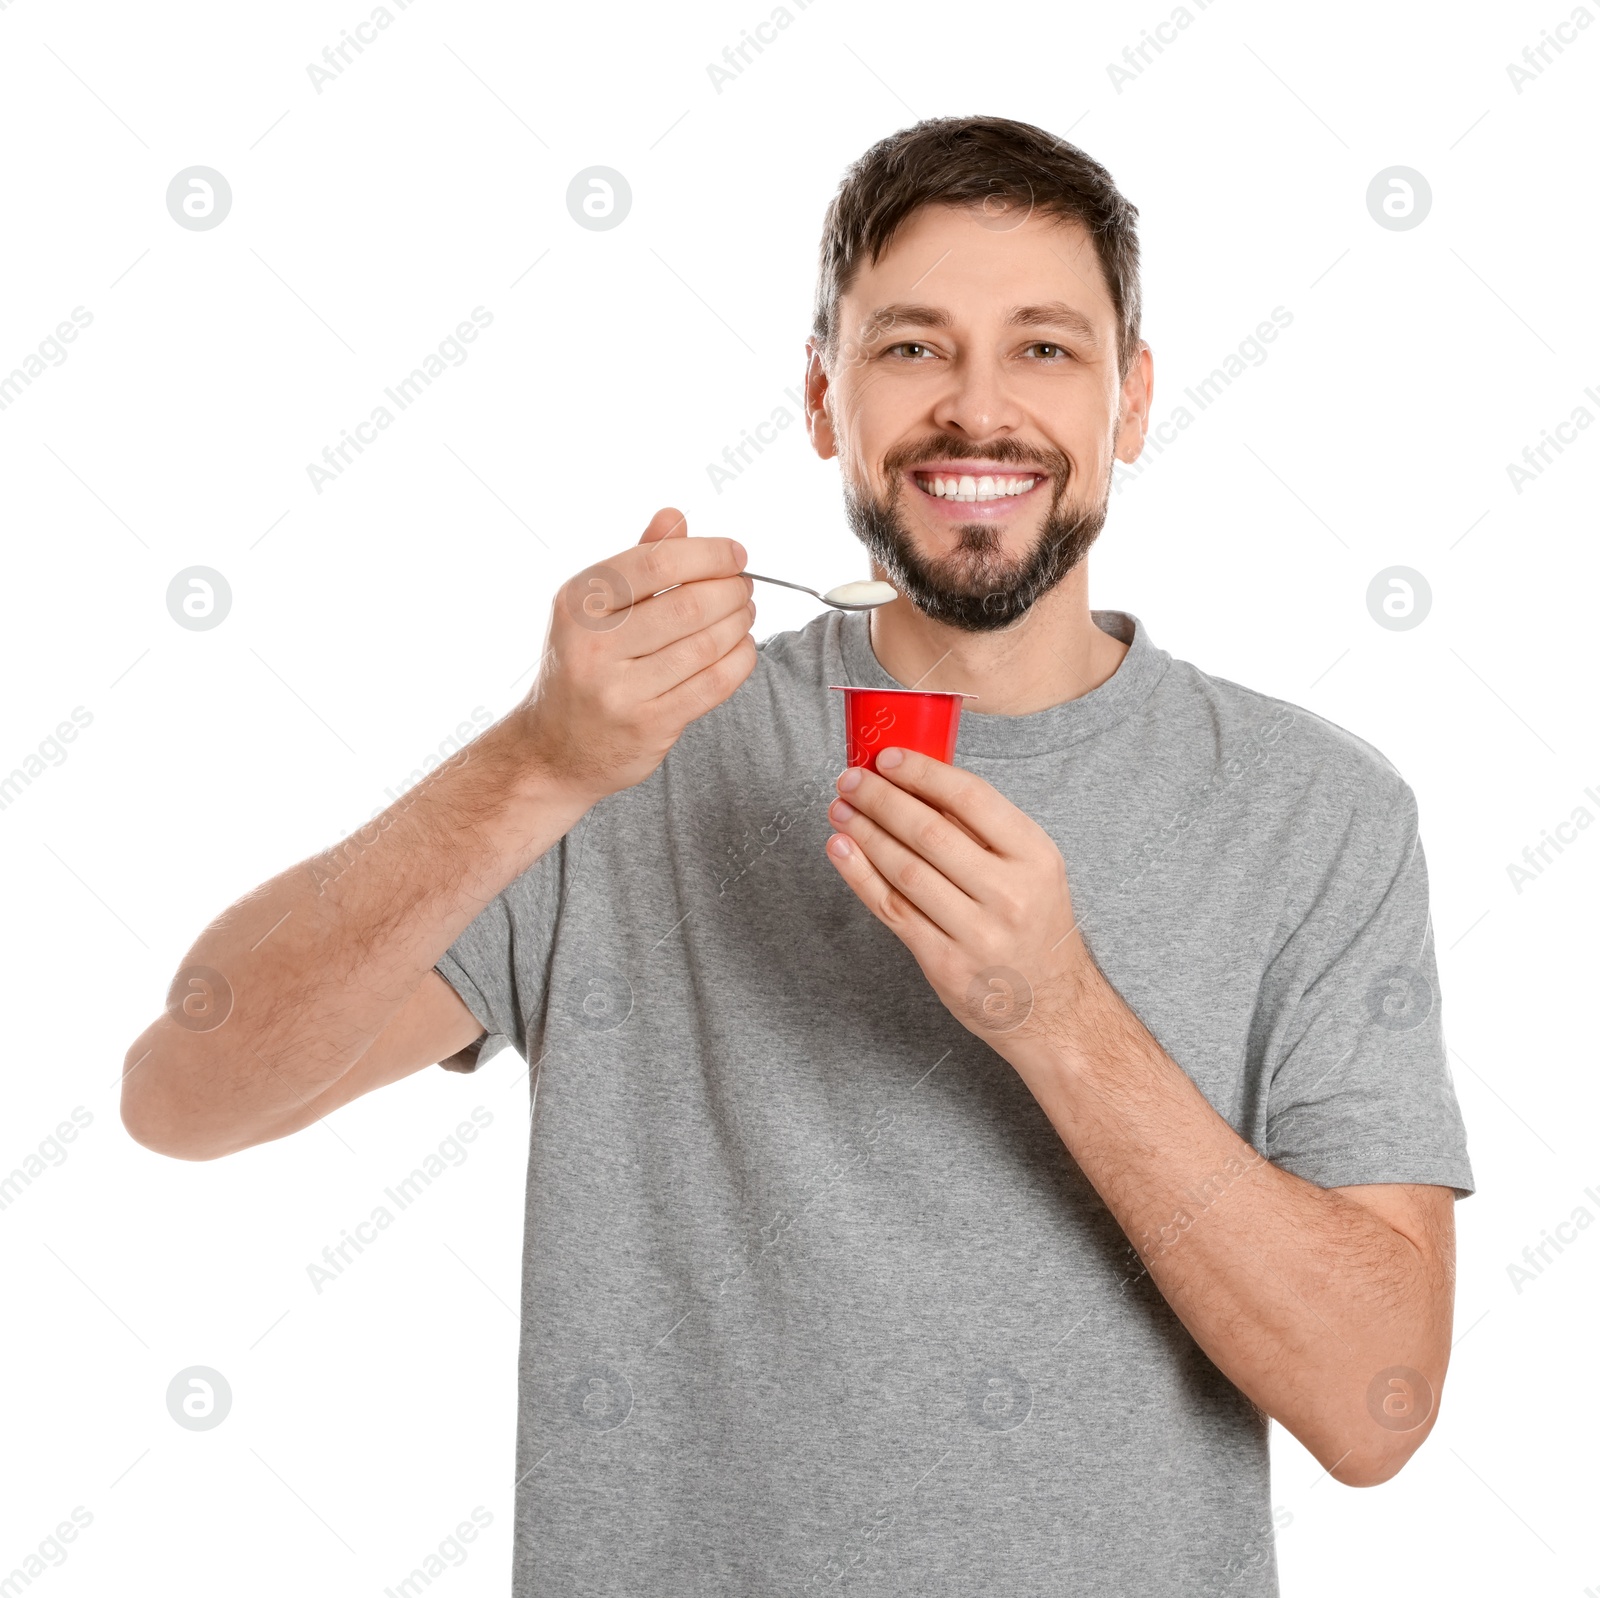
847	596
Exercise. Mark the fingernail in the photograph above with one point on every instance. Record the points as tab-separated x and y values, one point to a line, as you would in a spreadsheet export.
839	847
840	811
850	780
890	758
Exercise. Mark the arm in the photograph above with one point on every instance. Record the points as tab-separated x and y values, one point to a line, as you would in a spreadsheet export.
1312	1301
1304	1297
277	1013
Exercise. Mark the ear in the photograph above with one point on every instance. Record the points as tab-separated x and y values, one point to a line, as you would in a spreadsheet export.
819	421
1133	418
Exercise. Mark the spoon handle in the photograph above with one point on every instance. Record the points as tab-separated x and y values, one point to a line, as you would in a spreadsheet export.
779	582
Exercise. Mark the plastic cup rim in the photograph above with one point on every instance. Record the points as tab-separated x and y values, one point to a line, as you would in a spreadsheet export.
921	693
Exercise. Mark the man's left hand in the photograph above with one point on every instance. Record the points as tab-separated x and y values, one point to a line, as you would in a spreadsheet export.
976	890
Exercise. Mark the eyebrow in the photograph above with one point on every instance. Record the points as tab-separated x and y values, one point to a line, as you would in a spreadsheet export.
1051	314
1056	313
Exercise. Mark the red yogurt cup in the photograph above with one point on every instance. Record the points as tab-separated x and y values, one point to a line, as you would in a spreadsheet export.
899	718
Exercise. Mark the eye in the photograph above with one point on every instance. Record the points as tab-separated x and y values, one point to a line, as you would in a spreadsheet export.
1049	352
911	351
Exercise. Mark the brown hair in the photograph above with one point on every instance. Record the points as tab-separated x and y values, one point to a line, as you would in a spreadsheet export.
990	162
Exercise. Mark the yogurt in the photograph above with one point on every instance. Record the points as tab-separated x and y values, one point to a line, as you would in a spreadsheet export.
862	594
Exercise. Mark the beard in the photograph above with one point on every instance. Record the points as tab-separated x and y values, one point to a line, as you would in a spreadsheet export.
975	587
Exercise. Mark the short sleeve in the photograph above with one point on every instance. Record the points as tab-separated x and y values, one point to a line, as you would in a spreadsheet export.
500	963
1360	1088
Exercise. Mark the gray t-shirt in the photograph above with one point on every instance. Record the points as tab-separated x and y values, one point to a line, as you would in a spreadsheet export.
814	1295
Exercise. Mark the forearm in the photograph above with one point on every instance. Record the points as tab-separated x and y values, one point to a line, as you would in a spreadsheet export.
1298	1294
318	959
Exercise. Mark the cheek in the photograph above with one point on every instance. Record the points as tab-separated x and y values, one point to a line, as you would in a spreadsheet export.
1091	456
871	414
866	472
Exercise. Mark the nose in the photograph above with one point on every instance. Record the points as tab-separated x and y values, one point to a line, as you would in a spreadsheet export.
977	401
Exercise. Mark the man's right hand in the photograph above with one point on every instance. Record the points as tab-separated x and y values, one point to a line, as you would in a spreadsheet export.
638	647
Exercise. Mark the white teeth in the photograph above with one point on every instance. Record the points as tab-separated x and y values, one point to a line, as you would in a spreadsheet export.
972	489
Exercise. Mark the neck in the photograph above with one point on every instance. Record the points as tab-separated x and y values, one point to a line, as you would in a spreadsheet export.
1053	654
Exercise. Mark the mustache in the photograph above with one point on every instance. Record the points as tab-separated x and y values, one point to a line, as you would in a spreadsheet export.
1005	451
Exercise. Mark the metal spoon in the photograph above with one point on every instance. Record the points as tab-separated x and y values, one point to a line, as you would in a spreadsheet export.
847	596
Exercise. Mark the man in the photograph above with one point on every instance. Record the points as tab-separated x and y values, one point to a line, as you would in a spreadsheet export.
939	1174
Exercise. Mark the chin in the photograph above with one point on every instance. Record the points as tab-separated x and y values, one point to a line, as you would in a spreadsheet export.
978	550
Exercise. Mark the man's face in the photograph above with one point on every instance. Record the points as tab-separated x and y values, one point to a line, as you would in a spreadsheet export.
974	402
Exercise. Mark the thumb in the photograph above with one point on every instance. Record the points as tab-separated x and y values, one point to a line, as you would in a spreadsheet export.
666	523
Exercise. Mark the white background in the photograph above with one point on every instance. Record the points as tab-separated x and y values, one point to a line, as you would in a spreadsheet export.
370	619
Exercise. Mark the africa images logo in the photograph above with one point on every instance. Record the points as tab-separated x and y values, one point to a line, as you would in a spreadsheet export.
1399	998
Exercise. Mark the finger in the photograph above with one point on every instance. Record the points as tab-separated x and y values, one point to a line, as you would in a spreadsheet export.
666	523
924	830
679	613
922	884
661	672
925	941
600	594
707	689
669	560
988	815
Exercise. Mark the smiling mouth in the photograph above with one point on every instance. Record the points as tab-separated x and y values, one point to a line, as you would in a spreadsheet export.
973	489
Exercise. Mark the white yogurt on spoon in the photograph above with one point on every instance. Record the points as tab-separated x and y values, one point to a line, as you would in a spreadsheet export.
861	595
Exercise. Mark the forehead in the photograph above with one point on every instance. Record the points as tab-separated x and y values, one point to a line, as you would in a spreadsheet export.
971	261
